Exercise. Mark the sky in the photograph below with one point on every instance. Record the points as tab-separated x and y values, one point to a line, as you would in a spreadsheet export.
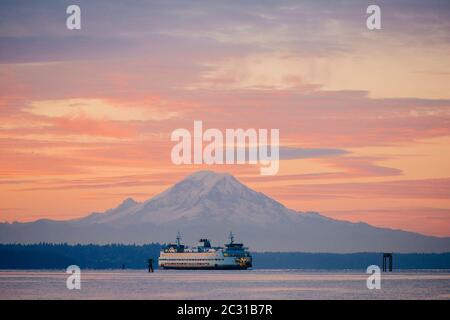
364	115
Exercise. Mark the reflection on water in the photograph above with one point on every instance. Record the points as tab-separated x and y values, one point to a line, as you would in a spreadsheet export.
248	284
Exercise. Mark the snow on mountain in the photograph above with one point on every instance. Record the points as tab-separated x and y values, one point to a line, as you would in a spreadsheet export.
202	195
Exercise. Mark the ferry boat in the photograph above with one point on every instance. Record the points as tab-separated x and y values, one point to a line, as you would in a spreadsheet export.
178	256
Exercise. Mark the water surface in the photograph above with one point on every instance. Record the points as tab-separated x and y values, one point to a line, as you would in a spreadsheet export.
244	284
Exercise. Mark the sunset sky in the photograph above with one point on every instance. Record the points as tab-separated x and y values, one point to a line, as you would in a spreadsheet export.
364	116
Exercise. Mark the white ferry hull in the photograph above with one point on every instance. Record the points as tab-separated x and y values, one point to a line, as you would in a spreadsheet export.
202	261
195	267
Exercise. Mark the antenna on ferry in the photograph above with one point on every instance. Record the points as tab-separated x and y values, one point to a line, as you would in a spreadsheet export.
231	237
178	238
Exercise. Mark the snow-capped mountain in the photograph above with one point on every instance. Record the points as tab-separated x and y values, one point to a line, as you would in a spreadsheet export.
208	204
202	195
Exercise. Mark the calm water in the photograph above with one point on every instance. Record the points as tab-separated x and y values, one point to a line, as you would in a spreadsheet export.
249	284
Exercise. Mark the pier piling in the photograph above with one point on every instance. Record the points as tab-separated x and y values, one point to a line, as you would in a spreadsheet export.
150	265
387	256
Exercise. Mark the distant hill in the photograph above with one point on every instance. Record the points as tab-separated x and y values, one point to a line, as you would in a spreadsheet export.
208	204
59	256
337	261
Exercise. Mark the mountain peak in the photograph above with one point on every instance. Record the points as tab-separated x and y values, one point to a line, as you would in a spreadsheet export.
210	195
202	183
208	179
208	175
128	202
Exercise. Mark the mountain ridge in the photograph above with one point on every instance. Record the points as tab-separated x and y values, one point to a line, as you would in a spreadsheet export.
211	204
